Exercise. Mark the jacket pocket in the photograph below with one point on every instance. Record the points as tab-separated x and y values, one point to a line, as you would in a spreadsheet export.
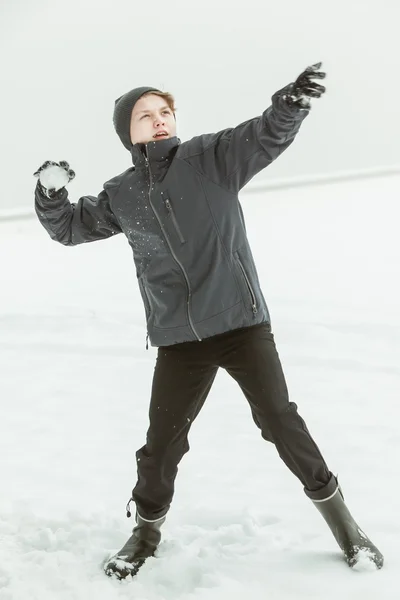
249	286
174	220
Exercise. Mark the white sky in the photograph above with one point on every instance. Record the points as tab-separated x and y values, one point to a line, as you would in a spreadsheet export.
62	66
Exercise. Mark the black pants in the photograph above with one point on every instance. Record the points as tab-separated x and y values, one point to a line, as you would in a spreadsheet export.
183	377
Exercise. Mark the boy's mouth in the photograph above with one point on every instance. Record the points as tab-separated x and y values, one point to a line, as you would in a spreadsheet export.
160	134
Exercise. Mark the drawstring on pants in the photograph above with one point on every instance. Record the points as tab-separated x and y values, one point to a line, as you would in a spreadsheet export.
128	509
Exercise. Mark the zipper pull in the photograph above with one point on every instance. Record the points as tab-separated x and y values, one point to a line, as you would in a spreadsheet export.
168	205
146	156
255	310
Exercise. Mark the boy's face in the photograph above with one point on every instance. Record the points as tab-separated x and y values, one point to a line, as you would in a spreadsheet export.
151	115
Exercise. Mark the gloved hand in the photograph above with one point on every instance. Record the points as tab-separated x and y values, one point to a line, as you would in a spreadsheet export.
303	89
53	176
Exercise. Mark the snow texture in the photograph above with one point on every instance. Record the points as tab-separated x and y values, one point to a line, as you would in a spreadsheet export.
74	393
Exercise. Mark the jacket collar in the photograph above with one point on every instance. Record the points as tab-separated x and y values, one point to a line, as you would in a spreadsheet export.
156	152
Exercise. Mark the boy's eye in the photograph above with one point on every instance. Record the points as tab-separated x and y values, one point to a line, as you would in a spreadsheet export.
167	112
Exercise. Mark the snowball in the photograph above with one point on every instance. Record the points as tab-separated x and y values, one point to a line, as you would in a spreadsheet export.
53	177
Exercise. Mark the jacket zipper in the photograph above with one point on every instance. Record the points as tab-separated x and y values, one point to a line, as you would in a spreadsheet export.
191	324
147	298
174	220
149	308
252	294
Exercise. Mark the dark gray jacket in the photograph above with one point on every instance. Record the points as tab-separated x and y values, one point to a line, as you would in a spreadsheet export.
179	209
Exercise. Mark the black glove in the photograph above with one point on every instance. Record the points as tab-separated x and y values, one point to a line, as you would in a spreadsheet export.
54	176
303	89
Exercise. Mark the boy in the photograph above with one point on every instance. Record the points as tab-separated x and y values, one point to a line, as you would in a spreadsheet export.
179	209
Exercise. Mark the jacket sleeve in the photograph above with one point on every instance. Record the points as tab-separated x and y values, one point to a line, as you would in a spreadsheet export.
90	219
232	157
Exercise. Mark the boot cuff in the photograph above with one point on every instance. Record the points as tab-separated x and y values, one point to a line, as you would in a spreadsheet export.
325	492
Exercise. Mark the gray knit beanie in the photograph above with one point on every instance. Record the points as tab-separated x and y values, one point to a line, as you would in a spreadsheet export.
123	112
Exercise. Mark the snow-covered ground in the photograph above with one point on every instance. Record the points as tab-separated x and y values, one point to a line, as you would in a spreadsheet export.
74	390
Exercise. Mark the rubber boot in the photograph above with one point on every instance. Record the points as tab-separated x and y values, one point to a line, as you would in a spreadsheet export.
350	537
141	545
